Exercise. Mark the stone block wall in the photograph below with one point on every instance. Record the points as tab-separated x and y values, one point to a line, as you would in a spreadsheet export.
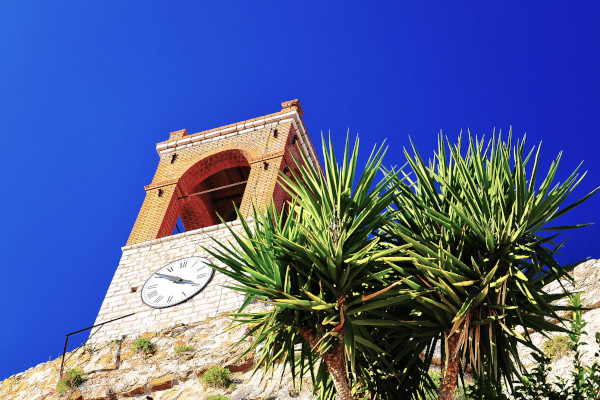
139	261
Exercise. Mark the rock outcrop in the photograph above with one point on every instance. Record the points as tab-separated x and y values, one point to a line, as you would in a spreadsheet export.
587	281
114	370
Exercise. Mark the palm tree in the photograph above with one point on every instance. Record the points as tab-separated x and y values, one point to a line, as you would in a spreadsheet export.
333	299
478	252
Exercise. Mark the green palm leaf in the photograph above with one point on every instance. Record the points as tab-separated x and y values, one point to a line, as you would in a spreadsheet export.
332	295
474	223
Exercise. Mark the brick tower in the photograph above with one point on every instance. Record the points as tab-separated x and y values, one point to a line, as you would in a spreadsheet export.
199	177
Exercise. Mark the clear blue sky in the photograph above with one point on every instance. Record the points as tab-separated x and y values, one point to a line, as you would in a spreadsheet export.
88	88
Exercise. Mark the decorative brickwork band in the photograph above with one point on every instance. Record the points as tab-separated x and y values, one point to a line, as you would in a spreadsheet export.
233	166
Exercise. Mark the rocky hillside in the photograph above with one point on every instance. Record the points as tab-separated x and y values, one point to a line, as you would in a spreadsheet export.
114	370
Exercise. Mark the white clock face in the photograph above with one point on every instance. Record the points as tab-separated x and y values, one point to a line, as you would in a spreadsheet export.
176	282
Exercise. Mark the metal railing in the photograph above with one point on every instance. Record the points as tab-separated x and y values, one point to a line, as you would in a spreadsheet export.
100	325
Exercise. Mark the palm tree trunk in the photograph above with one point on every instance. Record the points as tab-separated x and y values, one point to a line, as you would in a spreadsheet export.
334	359
337	369
449	369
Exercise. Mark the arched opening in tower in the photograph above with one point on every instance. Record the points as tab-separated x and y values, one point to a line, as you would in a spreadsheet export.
216	196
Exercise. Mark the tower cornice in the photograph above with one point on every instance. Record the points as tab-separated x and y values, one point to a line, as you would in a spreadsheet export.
291	113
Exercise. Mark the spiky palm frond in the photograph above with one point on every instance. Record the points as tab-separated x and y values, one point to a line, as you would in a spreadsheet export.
475	224
333	298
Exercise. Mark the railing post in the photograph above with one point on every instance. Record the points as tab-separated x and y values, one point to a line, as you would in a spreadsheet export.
100	325
62	364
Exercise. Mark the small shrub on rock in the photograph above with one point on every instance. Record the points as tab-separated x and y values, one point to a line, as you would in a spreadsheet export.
143	345
217	397
216	377
72	379
183	349
557	347
88	349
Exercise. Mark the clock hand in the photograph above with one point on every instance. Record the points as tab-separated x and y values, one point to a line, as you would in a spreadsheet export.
174	279
188	282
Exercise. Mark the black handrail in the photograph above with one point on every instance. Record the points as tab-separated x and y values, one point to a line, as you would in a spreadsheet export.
62	364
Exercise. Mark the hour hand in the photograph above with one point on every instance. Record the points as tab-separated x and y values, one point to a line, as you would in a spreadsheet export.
174	279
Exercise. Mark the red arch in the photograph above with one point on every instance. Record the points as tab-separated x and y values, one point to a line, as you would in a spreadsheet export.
211	165
196	211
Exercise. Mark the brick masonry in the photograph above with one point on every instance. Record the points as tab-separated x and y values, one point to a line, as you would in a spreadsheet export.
265	146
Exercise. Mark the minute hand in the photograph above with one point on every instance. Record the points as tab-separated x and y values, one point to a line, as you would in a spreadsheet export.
188	282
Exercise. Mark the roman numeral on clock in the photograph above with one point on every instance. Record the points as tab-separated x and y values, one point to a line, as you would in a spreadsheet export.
160	290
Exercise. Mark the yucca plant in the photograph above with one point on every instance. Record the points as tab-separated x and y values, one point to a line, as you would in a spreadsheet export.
479	255
333	300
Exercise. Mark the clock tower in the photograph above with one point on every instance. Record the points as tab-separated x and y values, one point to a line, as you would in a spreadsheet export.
163	278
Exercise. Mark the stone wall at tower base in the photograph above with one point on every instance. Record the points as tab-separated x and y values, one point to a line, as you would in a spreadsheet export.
112	370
